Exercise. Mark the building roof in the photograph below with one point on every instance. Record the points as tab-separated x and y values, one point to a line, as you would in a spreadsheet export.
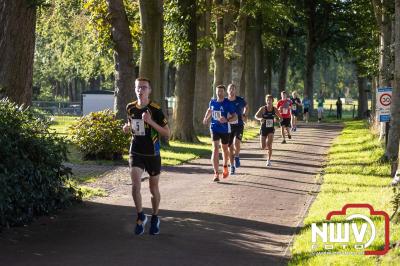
98	92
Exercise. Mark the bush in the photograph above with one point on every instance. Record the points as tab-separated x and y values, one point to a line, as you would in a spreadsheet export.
32	177
99	136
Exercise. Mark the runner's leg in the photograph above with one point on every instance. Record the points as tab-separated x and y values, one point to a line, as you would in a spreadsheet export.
270	138
215	156
155	193
136	176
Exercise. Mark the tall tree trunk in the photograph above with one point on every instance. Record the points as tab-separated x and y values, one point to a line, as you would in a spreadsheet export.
186	74
219	45
250	68
17	47
394	132
123	57
151	13
238	59
362	96
203	90
311	46
283	66
228	28
259	64
268	72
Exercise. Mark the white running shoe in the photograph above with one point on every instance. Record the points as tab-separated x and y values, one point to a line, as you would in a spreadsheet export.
268	163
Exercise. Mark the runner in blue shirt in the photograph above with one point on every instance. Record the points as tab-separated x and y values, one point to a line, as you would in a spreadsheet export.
237	127
221	111
306	107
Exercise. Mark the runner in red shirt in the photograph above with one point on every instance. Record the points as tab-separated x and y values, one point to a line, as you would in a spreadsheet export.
284	106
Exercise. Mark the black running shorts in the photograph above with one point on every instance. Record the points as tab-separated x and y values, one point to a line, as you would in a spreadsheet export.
152	164
265	131
285	122
224	137
236	131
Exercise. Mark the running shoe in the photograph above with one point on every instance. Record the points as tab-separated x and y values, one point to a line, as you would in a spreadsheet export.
140	223
289	136
283	142
268	163
216	177
237	162
232	171
225	173
154	225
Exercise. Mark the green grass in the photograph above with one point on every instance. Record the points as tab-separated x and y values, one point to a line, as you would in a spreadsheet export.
352	175
61	124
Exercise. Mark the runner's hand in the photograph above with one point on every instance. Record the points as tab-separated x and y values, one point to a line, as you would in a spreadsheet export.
244	117
205	121
126	128
223	119
147	117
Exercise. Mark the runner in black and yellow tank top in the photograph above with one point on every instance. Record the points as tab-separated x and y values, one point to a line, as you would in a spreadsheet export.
267	114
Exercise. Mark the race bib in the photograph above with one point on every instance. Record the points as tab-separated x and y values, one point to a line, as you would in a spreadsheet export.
269	123
216	115
294	107
138	127
285	111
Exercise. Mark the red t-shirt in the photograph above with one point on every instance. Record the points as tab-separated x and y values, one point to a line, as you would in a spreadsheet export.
284	107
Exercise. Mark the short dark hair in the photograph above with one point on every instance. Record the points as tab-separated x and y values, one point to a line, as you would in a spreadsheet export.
284	92
143	79
221	87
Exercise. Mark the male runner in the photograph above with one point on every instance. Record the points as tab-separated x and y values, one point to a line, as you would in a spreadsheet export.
266	115
237	127
221	111
320	101
284	107
306	107
296	104
146	122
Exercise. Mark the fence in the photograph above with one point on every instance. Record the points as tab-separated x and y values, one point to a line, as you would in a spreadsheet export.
59	108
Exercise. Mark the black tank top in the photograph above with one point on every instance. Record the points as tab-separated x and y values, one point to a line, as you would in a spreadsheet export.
268	117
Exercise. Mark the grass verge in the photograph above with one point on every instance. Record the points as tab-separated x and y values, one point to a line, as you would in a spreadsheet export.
352	175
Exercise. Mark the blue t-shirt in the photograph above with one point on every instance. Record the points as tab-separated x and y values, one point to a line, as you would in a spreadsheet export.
239	105
306	103
219	109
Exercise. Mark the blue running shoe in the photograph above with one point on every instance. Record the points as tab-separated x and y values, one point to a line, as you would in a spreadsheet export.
140	224
237	162
232	171
154	225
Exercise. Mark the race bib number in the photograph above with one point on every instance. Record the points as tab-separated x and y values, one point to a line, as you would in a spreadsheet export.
294	107
138	127
269	122
285	111
216	115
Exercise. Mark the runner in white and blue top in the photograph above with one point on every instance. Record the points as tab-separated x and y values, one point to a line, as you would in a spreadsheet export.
221	111
237	127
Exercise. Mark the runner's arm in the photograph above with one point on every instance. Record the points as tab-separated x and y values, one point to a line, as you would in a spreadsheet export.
258	115
207	116
164	131
245	111
127	126
278	113
232	117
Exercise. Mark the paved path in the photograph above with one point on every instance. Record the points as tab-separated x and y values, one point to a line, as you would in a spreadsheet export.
248	219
